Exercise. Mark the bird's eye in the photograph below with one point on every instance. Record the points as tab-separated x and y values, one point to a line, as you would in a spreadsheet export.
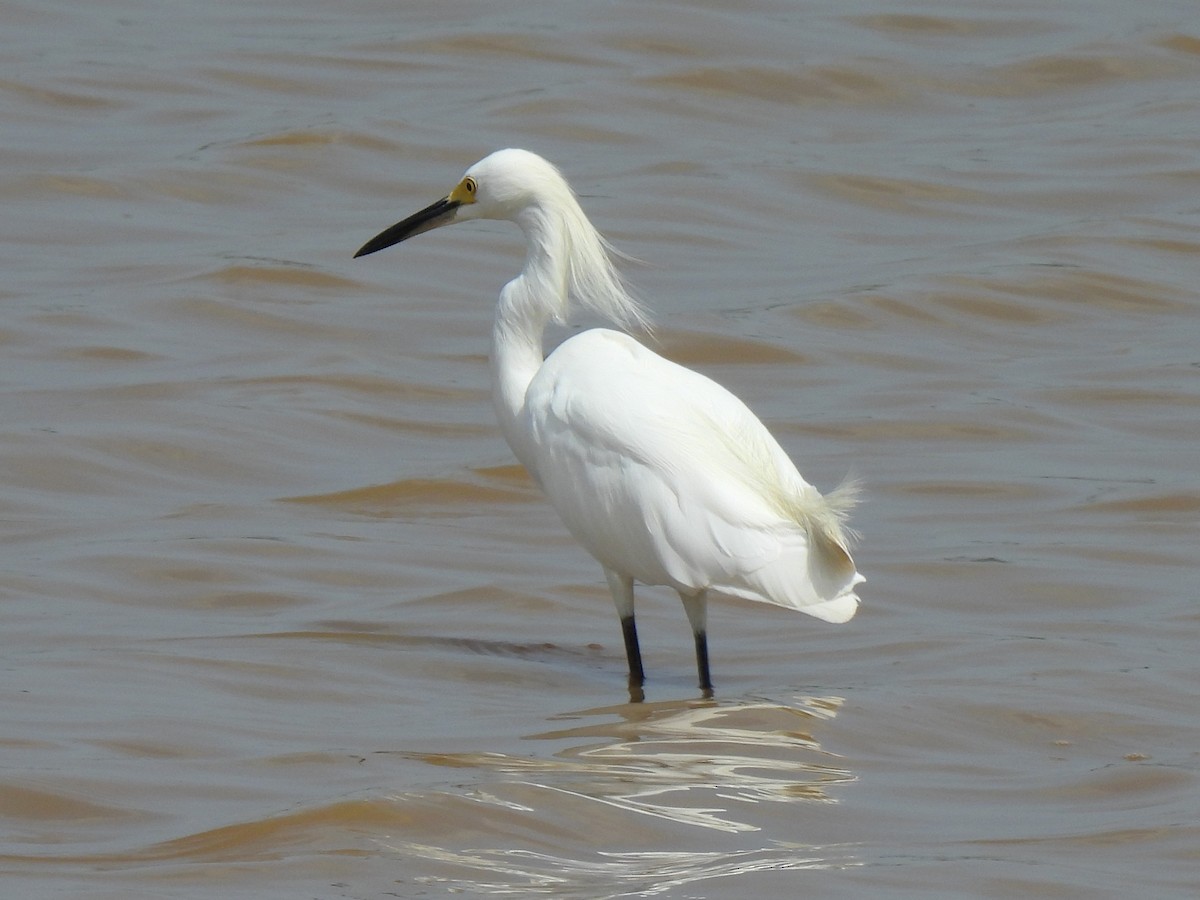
469	185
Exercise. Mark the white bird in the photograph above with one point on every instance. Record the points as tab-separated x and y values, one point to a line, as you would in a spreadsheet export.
664	476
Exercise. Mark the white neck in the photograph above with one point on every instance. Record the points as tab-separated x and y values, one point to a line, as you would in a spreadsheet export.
526	304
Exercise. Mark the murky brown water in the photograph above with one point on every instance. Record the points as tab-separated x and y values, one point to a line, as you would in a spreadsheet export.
281	618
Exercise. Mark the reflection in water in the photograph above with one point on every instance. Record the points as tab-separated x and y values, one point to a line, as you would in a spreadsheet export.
625	874
695	764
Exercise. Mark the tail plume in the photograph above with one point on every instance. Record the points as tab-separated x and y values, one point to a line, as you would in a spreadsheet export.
831	569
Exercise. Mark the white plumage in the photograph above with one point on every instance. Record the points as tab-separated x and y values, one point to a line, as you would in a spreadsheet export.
660	473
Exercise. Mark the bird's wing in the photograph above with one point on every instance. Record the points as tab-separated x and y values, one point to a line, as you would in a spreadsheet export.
664	475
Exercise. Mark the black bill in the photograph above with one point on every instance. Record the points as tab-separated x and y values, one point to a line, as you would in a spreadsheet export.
433	216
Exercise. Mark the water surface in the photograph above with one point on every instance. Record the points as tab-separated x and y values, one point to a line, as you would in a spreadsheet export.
282	617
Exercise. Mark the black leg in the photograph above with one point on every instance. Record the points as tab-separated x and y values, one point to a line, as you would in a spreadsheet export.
696	607
621	587
702	663
634	654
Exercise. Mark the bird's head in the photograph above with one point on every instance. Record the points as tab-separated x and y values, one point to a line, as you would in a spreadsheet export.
522	187
499	186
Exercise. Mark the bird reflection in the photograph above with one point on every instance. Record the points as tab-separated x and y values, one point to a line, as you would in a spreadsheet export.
657	759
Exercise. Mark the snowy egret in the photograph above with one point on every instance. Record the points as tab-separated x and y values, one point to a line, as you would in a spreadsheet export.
664	476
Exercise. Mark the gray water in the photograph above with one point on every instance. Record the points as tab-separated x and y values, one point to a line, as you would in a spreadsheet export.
283	618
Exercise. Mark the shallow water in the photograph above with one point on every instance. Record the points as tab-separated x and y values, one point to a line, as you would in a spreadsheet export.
282	618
